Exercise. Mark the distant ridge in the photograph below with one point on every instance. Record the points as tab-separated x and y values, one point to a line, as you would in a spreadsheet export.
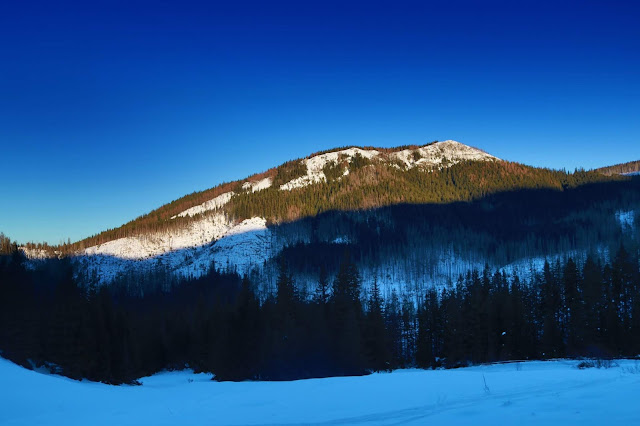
632	167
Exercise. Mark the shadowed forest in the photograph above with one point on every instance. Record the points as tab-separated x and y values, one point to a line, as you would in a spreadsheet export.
231	326
216	323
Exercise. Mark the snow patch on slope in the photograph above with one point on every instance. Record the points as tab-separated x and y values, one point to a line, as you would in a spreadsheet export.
258	186
186	252
223	199
437	155
246	245
35	254
440	154
197	233
212	204
316	164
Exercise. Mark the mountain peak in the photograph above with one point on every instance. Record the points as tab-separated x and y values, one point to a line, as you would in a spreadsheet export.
234	216
434	155
244	225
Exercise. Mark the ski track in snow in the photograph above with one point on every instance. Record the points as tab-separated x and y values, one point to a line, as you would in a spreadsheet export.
526	393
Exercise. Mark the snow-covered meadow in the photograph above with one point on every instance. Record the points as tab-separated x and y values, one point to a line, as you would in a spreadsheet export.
528	393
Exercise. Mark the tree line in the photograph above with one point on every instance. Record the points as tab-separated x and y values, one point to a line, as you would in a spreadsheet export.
216	323
630	167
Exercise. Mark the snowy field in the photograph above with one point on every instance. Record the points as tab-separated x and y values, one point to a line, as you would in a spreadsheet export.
530	393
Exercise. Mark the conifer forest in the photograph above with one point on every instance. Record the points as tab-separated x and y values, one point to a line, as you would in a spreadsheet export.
581	305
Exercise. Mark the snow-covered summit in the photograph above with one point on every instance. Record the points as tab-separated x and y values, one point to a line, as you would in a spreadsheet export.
316	164
432	156
435	155
441	154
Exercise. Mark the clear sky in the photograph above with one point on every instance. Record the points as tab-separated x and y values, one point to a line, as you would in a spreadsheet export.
110	109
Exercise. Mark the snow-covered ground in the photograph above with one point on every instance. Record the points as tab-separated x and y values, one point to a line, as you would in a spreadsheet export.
528	393
187	251
197	233
35	253
246	245
222	199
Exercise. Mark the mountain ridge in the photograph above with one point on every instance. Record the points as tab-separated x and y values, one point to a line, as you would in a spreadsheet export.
628	168
235	225
218	195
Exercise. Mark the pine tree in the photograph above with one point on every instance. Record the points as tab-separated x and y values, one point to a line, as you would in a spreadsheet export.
574	309
377	344
429	317
285	289
552	342
346	318
321	295
594	292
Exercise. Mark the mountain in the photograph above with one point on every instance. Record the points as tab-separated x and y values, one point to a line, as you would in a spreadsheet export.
412	216
342	263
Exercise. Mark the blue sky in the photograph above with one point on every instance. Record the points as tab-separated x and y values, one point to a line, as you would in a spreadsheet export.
110	109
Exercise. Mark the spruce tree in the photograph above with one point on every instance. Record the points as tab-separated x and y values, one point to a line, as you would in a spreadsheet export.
376	342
